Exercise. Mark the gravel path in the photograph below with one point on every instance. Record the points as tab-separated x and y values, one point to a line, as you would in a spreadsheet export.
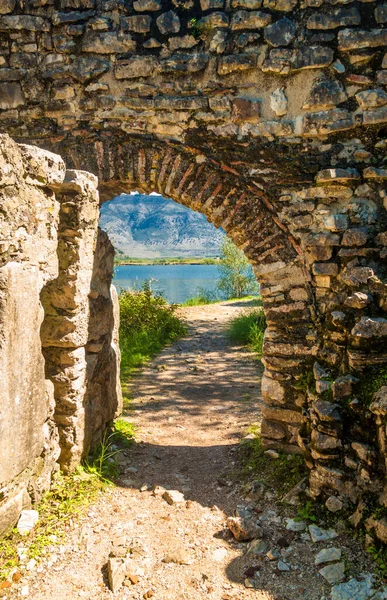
191	406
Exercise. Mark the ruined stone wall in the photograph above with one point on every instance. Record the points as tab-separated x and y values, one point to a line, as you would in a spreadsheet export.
56	323
269	116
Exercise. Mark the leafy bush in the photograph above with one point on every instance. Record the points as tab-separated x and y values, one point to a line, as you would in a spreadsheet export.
248	329
147	324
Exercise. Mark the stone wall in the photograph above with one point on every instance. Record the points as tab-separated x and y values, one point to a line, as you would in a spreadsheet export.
268	116
56	323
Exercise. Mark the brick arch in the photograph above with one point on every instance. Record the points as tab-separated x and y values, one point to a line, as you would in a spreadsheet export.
225	197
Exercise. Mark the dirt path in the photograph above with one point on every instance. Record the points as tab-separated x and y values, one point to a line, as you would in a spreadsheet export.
191	406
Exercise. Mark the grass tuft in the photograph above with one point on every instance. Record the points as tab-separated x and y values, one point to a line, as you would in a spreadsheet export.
280	474
248	329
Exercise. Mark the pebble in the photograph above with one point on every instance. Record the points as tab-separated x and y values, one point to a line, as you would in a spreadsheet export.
272	454
116	568
361	590
257	547
179	557
257	491
294	525
244	526
321	535
273	555
27	521
283	566
327	555
338	66
334	504
219	554
333	573
173	497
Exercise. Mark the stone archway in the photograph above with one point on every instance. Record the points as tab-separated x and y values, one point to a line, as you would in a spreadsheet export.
249	219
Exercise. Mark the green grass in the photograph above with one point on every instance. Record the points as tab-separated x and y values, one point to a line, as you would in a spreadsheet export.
147	324
248	329
68	498
280	474
210	298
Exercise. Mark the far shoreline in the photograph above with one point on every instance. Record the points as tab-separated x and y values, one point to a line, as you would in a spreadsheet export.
142	262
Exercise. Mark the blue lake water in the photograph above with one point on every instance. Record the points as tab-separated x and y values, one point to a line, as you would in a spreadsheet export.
177	283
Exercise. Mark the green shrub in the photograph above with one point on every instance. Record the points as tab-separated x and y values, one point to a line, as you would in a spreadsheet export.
147	324
248	329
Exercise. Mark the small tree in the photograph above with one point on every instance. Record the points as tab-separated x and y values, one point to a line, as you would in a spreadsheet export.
236	274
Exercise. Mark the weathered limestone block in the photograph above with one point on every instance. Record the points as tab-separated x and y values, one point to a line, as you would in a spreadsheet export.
244	19
238	62
137	23
182	64
137	66
23	22
108	42
340	17
324	443
147	5
247	4
370	327
168	22
351	39
29	222
214	20
7	6
11	96
325	93
273	391
211	4
371	98
283	61
281	33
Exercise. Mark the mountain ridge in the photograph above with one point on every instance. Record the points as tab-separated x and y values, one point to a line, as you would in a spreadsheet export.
150	226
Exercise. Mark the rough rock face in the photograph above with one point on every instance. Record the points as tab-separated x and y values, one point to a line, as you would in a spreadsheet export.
269	117
57	323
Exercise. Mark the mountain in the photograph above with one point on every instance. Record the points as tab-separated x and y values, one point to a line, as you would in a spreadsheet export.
143	226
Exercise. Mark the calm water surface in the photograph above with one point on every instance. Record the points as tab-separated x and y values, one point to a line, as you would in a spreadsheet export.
177	283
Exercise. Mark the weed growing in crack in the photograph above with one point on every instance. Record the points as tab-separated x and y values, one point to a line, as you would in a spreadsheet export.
306	512
380	557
